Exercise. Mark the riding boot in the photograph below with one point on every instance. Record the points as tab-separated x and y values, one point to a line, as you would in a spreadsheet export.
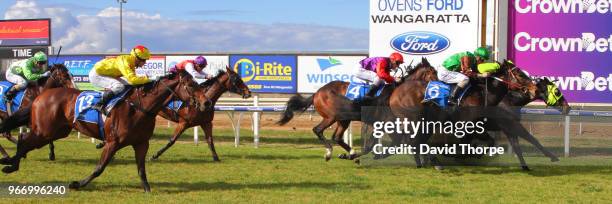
10	94
452	100
372	92
101	105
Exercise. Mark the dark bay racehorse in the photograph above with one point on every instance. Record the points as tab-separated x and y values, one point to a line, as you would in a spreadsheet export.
406	102
60	77
189	116
329	101
131	122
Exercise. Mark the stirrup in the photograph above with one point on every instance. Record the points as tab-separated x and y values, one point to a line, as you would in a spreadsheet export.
100	108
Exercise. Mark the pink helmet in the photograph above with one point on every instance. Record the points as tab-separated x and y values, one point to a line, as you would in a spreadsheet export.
201	61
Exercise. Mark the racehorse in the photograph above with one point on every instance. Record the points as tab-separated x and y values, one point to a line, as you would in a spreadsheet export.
60	77
188	116
406	102
131	122
329	101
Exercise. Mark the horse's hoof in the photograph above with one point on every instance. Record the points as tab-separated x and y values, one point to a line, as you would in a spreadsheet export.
5	161
9	169
357	161
99	146
327	158
342	156
52	157
554	159
216	159
439	168
153	158
525	168
74	185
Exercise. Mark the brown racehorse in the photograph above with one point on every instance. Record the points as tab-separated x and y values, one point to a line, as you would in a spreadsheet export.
329	101
406	102
131	122
189	116
60	77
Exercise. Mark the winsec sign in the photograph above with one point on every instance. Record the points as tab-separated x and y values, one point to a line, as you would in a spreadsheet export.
316	71
435	29
577	54
266	73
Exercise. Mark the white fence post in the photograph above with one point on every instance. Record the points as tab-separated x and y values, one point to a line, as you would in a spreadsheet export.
566	135
348	136
195	135
256	122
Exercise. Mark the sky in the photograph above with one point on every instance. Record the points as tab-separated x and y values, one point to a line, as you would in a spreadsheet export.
92	26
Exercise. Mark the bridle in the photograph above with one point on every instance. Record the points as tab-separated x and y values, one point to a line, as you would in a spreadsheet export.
147	111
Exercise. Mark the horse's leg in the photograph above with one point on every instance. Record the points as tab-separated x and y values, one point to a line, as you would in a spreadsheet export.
178	131
140	152
517	150
207	127
523	133
338	137
318	130
368	145
107	154
10	138
26	143
5	155
51	151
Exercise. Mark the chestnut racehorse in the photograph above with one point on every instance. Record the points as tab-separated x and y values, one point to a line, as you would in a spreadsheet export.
130	123
189	116
60	77
329	101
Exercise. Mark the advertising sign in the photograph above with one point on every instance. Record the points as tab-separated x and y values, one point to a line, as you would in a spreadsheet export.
79	66
218	62
316	71
434	29
28	32
576	54
156	66
267	73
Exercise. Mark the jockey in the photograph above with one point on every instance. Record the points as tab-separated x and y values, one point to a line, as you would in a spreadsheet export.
463	62
113	74
375	70
22	71
194	67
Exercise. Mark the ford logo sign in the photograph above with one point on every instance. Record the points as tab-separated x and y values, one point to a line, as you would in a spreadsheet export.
420	43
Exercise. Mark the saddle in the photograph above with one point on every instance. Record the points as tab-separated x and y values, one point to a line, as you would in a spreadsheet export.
5	86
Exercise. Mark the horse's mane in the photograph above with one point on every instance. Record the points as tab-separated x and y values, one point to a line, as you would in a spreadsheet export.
211	81
423	64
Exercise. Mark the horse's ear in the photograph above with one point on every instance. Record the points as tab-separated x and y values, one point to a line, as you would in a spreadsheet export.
425	61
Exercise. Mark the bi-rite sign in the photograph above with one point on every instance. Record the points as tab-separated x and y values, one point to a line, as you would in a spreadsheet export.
435	29
566	40
266	73
26	32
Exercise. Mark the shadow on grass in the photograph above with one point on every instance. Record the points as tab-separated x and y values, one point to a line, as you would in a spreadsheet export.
181	187
249	138
196	159
539	170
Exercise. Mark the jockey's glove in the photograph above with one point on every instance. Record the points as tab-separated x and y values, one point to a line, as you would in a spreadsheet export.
46	74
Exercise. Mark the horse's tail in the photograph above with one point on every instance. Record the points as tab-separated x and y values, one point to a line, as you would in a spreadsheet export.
295	103
18	119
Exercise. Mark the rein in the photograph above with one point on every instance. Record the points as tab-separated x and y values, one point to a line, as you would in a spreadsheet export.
138	104
511	85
